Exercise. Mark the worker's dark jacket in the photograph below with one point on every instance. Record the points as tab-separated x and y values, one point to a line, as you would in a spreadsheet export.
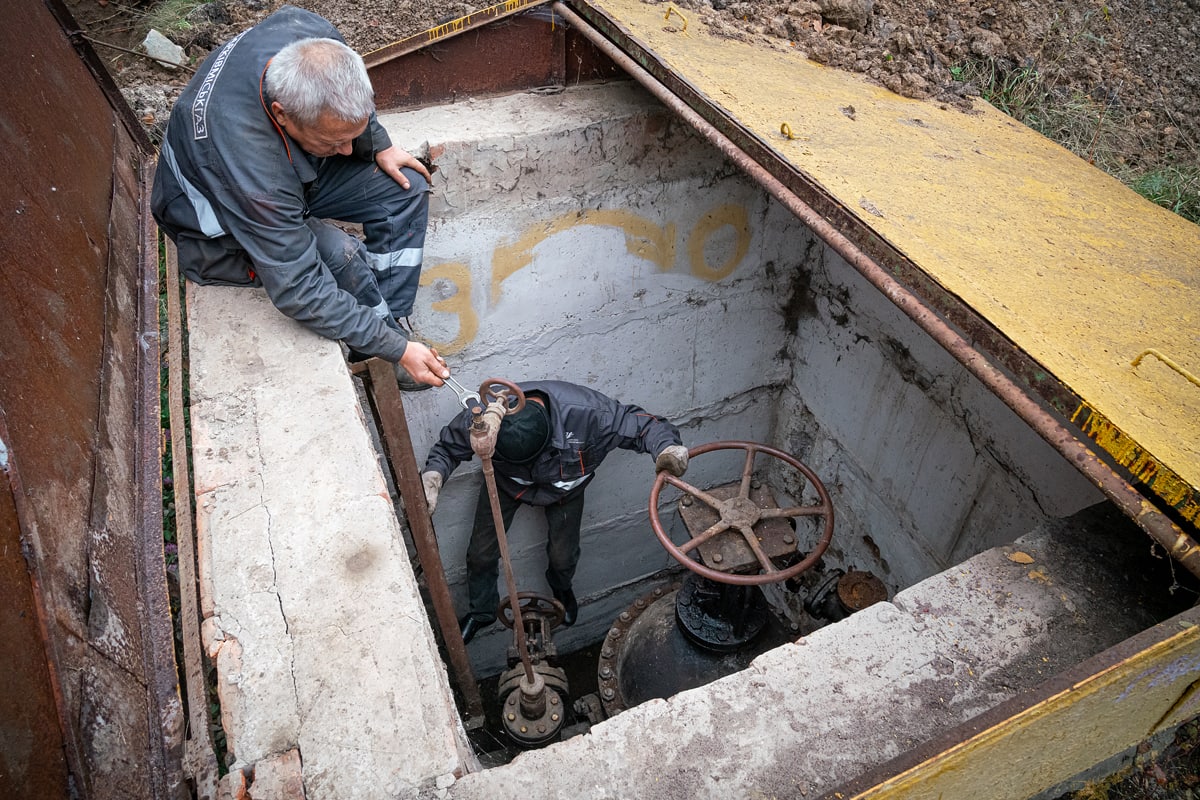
585	426
229	176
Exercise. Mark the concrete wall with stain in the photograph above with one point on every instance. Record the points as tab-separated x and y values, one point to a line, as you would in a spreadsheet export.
925	465
590	236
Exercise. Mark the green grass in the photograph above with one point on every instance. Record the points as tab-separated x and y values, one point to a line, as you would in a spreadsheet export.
170	16
1174	188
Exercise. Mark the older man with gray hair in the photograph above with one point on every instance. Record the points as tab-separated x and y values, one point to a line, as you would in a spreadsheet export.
275	135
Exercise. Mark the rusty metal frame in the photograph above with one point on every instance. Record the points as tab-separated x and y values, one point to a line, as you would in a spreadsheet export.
162	680
470	22
472	56
199	754
81	403
388	404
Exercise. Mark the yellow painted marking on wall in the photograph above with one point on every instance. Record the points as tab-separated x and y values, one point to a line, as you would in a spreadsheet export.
730	215
1071	266
1059	737
642	238
458	304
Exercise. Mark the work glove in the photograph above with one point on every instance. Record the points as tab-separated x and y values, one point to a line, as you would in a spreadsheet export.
673	459
432	481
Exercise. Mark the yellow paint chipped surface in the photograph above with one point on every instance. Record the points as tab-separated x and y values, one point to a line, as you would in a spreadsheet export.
1078	271
1058	737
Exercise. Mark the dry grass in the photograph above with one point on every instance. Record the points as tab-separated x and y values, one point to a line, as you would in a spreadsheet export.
171	16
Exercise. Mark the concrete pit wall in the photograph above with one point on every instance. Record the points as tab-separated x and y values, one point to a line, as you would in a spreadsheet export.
589	236
926	467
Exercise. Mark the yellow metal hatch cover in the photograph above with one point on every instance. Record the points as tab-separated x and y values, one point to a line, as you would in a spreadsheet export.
1098	286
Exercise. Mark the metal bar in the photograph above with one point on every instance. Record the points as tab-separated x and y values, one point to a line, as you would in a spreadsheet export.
1160	527
199	757
747	472
167	736
514	600
389	405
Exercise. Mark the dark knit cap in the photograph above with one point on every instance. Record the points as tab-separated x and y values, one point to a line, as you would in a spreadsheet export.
523	435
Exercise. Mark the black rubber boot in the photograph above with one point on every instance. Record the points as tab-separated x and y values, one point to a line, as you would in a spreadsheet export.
472	625
408	383
570	605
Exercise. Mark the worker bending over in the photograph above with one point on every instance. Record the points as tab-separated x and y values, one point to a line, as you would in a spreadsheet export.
545	456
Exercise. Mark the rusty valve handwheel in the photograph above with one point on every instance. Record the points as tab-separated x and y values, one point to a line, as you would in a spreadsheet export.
507	390
741	513
532	604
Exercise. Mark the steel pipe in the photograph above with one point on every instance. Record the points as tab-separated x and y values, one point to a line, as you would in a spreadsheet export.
485	427
1158	525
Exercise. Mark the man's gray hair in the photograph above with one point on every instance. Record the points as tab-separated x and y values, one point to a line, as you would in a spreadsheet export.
313	76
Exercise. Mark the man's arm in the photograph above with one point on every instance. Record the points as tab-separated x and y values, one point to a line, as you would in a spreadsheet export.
303	288
634	428
452	447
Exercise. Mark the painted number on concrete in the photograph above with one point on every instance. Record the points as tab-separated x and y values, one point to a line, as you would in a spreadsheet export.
643	238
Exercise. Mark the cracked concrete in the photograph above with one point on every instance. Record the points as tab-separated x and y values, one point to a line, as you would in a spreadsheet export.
315	626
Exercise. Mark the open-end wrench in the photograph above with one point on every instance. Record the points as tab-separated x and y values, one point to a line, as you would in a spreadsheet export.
470	400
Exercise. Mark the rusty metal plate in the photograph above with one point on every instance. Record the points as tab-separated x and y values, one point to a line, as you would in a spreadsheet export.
472	56
79	396
32	748
728	551
472	63
858	590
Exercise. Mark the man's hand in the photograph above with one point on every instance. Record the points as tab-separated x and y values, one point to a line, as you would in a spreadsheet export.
424	364
673	459
432	481
392	159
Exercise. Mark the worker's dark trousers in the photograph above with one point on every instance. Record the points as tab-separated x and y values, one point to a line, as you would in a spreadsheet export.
382	273
393	220
483	551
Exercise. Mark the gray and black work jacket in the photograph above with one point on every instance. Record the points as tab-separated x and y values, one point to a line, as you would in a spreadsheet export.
585	426
229	174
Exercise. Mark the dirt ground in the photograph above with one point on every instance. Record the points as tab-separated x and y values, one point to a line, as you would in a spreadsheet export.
1115	81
